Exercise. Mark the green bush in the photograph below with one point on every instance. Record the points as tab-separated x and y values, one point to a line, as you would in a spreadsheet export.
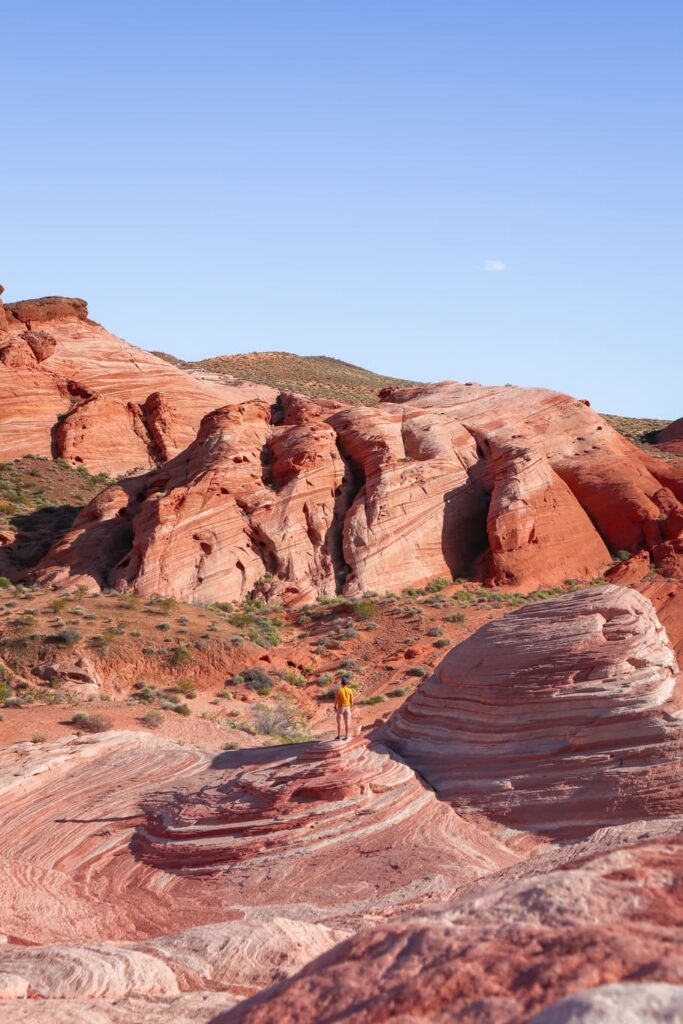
182	709
438	584
455	617
180	655
365	608
5	583
434	631
417	670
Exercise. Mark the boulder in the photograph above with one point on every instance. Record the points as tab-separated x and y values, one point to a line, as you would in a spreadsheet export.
558	718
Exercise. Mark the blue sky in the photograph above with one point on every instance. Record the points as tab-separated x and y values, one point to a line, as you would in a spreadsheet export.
332	177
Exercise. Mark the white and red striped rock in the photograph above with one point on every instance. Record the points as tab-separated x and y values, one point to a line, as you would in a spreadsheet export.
515	486
561	717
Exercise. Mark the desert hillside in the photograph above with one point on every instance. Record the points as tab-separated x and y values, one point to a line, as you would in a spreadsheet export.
195	557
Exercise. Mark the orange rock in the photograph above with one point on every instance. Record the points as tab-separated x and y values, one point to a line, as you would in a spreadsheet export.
55	362
519	487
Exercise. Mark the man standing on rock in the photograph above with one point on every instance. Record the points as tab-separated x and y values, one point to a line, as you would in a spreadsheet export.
343	703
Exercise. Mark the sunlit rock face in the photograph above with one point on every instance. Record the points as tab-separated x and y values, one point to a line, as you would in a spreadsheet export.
516	487
560	717
70	389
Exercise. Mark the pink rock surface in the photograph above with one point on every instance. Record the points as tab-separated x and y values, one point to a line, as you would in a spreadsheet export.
461	964
561	717
54	363
517	486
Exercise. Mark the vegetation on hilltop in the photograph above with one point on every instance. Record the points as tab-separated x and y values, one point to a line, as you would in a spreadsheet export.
317	376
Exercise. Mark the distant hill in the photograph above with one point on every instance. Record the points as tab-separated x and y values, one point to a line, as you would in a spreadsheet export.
318	376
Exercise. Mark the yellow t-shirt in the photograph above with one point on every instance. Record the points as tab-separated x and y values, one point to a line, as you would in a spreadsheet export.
344	697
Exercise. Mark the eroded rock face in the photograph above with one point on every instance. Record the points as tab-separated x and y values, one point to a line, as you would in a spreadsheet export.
518	487
503	970
561	717
68	388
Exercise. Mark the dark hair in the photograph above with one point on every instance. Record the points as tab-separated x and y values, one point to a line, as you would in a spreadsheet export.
346	678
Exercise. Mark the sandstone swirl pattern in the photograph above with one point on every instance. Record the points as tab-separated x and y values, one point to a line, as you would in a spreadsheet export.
557	718
513	486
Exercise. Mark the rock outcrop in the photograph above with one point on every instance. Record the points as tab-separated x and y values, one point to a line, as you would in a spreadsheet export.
560	718
70	389
671	437
616	919
518	487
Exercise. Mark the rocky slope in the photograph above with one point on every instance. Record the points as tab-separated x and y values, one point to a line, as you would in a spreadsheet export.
69	388
518	487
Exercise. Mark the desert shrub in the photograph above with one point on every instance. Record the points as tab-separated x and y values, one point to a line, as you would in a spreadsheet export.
417	670
365	608
455	617
225	694
100	641
5	583
153	719
438	584
91	723
164	626
39	737
58	603
231	746
257	679
377	699
434	631
182	709
442	643
186	687
280	718
5	692
163	604
325	678
400	691
65	638
295	679
180	655
622	555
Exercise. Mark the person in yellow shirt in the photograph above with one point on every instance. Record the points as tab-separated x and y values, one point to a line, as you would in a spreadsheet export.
343	705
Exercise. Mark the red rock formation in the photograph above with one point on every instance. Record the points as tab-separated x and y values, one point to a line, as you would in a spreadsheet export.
671	437
281	809
558	718
446	480
55	362
503	965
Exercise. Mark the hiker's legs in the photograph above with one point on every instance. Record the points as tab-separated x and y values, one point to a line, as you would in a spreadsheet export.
338	712
347	722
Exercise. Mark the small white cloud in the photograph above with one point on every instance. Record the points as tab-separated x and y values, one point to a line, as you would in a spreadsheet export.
491	266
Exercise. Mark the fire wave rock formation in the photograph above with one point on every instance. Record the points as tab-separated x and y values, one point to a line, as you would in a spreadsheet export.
557	718
262	859
616	918
68	388
522	487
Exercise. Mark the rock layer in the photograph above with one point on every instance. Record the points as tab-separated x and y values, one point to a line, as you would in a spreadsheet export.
68	388
459	964
519	487
561	717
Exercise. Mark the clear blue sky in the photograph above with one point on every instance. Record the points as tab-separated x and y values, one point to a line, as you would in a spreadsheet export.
330	176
